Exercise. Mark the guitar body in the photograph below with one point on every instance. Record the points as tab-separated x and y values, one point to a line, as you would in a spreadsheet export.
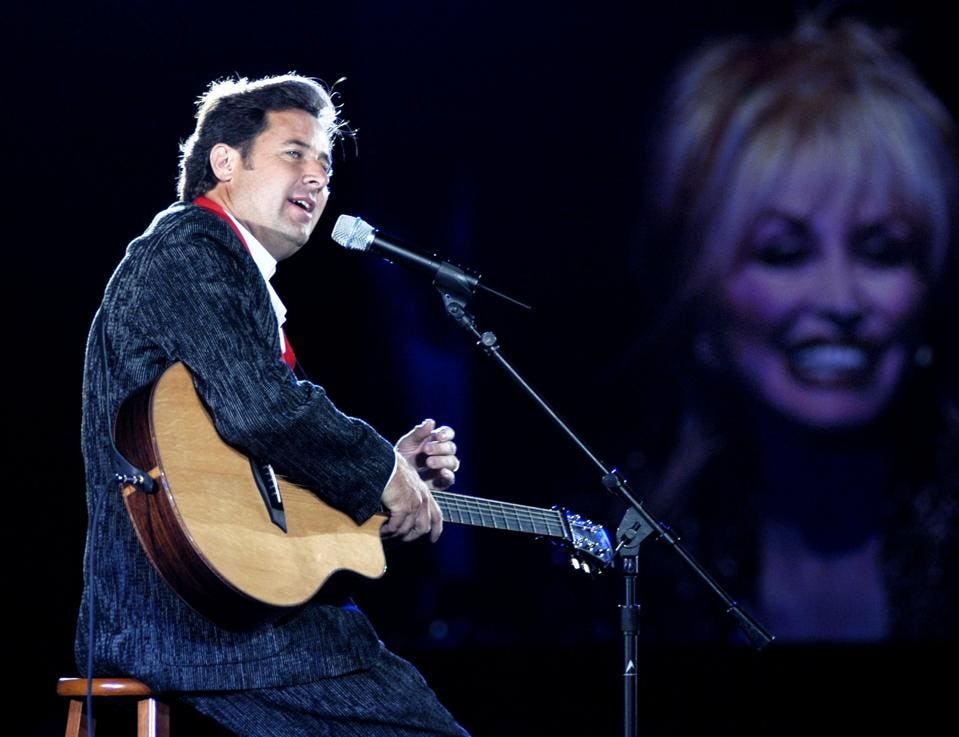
215	531
207	530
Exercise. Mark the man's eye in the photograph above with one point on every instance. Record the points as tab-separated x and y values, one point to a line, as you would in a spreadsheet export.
294	154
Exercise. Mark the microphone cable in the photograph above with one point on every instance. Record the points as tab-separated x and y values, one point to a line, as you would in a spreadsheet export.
127	473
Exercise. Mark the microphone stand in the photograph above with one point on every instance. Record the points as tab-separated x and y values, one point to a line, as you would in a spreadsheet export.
456	288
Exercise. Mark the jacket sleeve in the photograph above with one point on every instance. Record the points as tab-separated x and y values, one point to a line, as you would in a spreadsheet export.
209	308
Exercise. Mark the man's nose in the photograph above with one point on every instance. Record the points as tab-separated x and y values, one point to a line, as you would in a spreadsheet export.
316	173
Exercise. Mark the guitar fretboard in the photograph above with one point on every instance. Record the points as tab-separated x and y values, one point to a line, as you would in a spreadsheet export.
469	510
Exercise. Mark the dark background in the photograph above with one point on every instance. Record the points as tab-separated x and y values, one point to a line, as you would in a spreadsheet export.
507	136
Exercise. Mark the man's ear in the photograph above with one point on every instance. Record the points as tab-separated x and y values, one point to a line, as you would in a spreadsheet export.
223	159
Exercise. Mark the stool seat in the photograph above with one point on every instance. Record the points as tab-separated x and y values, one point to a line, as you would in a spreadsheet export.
103	687
153	715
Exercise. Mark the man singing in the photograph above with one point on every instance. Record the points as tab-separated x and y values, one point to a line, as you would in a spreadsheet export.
194	288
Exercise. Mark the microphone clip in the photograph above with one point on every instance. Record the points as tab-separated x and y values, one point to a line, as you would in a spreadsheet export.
454	284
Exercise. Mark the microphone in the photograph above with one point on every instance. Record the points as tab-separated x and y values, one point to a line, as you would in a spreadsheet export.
356	234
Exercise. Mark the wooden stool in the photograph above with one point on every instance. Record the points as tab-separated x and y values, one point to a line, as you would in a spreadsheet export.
153	715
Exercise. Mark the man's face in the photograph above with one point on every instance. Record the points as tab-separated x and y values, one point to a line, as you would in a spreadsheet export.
280	189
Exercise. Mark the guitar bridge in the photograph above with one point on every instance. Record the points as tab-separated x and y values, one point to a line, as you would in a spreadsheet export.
270	491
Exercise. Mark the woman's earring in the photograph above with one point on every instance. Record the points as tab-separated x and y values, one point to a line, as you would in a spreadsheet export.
923	356
705	350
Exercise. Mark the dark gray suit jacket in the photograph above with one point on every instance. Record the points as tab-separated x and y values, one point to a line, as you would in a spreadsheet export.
187	290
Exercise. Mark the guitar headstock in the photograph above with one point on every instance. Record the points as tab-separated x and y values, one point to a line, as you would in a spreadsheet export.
591	550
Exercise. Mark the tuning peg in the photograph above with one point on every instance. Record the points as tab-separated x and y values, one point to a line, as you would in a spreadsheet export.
575	563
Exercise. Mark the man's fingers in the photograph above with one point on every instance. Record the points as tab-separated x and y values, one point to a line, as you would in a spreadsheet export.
411	442
439	448
441	479
420	523
436	519
409	524
398	524
404	506
435	463
438	463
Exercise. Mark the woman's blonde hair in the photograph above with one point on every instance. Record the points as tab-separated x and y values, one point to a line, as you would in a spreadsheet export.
838	102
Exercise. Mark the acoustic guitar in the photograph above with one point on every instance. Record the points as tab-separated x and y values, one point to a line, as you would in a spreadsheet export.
241	545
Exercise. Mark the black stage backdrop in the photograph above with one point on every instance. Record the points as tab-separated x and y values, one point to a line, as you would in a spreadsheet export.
504	135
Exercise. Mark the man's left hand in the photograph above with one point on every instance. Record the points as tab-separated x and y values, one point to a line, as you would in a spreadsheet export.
432	452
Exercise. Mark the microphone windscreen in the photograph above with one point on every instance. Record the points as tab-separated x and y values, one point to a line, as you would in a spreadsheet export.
351	232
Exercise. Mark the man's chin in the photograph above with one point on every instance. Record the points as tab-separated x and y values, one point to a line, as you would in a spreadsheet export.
283	245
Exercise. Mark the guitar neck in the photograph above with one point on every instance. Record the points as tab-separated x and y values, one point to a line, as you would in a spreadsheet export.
469	510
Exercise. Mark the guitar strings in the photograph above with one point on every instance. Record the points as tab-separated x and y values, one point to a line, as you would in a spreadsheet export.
503	512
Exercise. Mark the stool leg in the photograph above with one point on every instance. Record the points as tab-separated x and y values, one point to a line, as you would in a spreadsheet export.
153	718
76	723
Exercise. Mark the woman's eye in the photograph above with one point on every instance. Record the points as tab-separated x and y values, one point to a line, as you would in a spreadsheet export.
778	241
880	247
781	251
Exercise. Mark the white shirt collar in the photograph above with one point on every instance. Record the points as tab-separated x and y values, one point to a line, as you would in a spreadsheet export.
264	260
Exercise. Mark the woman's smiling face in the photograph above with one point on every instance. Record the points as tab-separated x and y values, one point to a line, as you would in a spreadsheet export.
817	313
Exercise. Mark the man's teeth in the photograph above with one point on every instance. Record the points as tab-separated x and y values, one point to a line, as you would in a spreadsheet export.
831	358
302	203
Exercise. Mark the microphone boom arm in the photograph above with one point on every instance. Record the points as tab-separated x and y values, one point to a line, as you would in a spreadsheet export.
639	523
